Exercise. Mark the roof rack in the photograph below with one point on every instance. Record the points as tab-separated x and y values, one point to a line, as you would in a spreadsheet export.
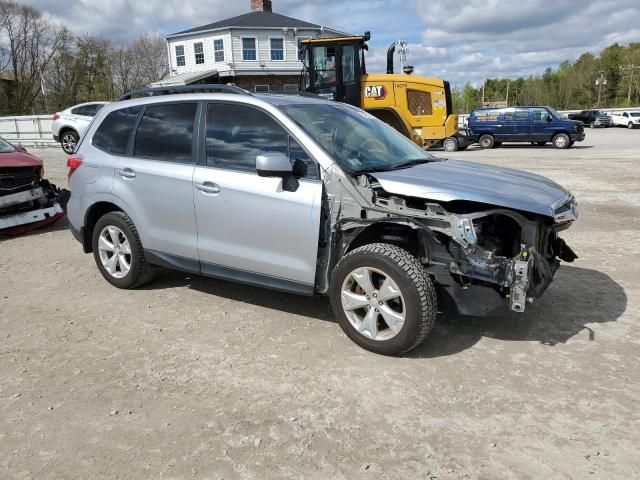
176	89
298	93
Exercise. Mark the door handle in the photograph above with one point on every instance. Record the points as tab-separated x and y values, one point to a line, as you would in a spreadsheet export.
126	173
208	187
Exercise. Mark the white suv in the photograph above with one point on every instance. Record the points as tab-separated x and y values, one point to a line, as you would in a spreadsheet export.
311	197
626	119
70	124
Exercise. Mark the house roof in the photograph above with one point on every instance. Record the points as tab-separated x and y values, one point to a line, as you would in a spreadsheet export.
253	20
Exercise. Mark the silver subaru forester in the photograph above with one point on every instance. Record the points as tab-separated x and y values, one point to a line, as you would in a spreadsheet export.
310	196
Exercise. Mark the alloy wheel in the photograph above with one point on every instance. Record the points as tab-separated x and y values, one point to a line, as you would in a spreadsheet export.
373	303
115	251
68	142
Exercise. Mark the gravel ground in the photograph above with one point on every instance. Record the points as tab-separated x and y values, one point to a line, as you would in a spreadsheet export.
197	378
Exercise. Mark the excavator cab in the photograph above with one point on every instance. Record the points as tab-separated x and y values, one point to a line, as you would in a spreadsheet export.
333	68
418	107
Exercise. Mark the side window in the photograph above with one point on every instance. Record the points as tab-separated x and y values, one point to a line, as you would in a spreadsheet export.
296	152
78	111
508	116
522	115
419	102
277	49
218	50
166	132
348	63
113	133
625	114
198	50
249	52
236	135
91	110
180	58
540	115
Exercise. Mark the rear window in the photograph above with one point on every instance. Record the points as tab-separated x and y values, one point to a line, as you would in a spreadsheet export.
419	102
113	133
166	132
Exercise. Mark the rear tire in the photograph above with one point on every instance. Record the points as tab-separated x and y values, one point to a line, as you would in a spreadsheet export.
118	251
69	141
383	298
561	141
486	141
450	144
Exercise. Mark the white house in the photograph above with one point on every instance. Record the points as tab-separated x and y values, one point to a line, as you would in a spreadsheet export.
258	50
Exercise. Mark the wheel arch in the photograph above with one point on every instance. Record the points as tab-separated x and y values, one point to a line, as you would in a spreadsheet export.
93	214
408	236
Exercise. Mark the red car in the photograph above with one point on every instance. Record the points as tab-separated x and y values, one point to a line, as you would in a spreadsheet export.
27	200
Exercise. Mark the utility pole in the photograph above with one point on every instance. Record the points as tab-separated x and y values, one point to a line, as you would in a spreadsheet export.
600	81
483	82
507	99
630	68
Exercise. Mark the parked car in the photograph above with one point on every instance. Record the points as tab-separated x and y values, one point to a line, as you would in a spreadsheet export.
312	197
592	118
27	200
537	125
626	119
69	125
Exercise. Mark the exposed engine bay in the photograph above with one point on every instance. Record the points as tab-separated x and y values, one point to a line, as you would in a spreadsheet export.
478	254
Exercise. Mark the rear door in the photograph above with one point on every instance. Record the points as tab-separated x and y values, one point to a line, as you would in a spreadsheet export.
249	228
155	178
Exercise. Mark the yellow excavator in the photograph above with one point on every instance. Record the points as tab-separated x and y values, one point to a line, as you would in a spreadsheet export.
418	107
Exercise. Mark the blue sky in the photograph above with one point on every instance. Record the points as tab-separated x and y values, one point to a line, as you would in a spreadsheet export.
458	41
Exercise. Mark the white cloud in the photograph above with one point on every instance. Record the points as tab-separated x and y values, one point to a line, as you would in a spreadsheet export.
456	41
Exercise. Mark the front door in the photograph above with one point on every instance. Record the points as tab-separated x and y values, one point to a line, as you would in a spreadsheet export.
541	129
249	228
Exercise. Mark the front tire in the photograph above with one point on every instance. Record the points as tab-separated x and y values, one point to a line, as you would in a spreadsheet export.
450	144
561	141
118	251
486	141
630	125
68	141
383	298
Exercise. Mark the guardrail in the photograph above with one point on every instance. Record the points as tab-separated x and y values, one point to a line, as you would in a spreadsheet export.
28	130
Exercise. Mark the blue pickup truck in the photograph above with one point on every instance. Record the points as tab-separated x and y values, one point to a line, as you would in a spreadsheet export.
536	125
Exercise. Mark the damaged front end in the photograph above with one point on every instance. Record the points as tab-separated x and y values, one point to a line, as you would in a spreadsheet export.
479	255
27	201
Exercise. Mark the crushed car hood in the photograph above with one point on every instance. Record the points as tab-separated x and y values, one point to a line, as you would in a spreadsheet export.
450	180
19	159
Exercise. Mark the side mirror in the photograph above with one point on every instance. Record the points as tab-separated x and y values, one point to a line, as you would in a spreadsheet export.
20	148
277	164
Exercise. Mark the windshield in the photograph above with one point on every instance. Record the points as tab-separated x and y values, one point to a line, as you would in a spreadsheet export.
5	147
557	114
358	141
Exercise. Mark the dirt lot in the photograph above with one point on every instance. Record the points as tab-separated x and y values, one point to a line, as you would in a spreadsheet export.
197	378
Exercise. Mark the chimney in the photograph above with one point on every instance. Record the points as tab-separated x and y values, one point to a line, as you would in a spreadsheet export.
260	5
